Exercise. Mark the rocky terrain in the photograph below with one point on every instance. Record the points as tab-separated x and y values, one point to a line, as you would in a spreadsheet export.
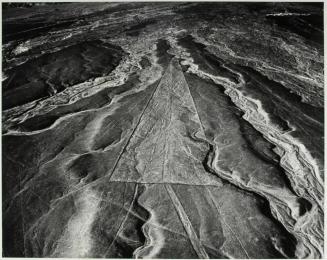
163	130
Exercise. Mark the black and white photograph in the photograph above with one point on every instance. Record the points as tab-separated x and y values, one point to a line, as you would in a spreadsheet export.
165	130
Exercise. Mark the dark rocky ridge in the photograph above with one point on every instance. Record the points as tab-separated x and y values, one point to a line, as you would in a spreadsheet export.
51	73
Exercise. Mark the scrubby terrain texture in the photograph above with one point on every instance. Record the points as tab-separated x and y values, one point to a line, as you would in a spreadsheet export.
163	130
